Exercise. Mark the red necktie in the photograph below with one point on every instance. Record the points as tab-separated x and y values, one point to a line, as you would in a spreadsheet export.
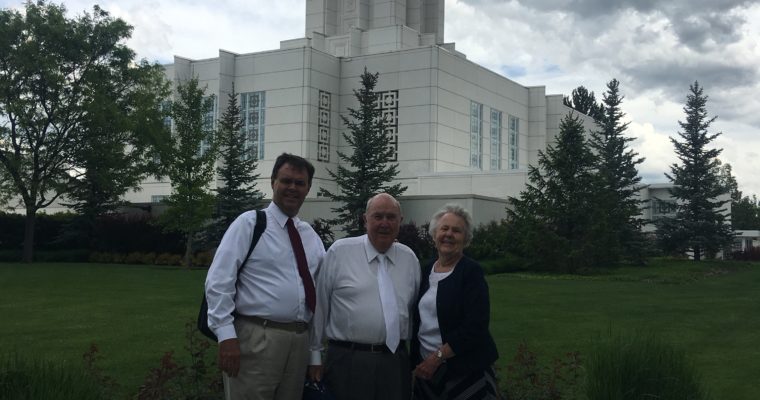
303	267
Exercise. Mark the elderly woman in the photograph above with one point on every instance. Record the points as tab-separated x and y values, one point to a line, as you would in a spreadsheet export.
451	346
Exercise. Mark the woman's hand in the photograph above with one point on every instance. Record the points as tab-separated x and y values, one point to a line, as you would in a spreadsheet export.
428	366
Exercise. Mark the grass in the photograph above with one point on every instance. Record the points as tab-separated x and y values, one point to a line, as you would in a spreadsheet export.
21	378
136	313
133	313
709	310
641	366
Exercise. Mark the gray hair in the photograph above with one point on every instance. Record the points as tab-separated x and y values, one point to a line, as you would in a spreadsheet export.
460	212
395	202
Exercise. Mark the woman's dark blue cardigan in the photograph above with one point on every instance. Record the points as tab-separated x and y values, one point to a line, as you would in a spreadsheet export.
463	316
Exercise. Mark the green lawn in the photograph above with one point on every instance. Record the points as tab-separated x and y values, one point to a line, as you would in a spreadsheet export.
136	313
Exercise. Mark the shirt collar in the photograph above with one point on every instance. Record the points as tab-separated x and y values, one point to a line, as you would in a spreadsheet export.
280	216
372	253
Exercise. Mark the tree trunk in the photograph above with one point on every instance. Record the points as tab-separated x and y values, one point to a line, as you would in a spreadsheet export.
697	254
31	215
189	251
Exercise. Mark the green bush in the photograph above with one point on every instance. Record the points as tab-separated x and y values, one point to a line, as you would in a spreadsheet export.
508	262
22	379
168	259
203	258
488	241
641	367
417	239
73	255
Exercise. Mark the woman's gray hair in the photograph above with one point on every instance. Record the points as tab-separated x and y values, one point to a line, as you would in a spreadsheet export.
460	212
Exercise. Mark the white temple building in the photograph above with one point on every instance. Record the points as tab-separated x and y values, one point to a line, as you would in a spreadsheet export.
460	132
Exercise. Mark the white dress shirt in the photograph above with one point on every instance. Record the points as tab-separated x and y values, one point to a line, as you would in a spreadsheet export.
269	285
348	296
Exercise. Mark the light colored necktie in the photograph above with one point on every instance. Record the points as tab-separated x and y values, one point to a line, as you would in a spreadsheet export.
390	308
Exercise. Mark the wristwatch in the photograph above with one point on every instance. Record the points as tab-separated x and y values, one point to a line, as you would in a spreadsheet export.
439	355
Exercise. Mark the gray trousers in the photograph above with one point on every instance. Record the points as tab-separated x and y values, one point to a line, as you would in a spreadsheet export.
362	375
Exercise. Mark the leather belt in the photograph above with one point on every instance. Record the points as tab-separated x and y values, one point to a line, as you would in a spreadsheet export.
372	348
297	327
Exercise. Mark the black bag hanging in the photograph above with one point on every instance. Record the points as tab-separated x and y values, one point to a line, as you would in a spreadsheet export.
261	225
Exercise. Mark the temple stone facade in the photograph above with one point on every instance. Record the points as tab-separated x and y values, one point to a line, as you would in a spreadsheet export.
460	132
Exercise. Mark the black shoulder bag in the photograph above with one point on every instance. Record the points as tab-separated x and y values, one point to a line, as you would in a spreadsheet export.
261	225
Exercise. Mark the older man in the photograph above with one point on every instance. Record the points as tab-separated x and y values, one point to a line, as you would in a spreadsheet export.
366	289
259	308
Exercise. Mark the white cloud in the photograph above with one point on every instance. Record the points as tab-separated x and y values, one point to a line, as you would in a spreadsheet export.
655	49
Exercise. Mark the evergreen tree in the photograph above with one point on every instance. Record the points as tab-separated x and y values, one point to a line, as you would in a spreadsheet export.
552	218
370	165
584	101
189	166
700	224
745	213
618	222
236	170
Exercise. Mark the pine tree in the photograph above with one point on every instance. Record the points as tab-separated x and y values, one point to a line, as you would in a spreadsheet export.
371	167
745	213
584	101
236	170
700	224
618	222
189	166
551	220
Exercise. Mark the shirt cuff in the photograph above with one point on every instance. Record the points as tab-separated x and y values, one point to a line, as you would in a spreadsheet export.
316	357
225	332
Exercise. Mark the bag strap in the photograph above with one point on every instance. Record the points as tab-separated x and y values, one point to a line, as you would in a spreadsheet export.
258	230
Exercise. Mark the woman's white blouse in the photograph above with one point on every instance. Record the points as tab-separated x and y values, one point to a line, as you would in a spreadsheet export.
430	333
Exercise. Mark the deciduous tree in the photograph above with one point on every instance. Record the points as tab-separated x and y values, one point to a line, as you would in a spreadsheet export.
122	130
189	164
54	71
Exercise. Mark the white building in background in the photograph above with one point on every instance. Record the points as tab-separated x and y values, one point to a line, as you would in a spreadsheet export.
460	132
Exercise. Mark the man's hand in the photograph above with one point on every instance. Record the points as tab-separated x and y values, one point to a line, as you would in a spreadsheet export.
315	373
229	356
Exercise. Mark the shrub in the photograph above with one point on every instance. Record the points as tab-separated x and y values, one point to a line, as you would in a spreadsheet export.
124	233
168	259
35	379
47	231
488	241
200	379
639	367
73	255
506	263
418	239
12	234
203	258
750	254
10	255
527	380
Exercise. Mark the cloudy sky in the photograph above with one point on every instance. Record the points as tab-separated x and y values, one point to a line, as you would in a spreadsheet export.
656	49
